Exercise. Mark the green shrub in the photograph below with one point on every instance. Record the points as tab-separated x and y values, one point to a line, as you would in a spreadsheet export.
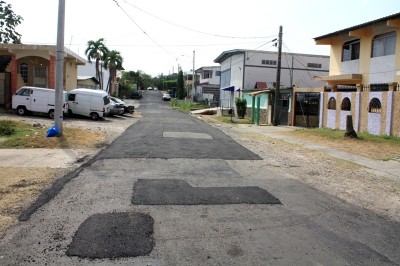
241	107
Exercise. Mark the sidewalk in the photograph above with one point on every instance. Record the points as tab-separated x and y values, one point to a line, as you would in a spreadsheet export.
387	168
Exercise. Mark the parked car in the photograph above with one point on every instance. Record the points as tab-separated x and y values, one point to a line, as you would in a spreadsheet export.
88	102
166	97
128	108
37	100
136	94
116	108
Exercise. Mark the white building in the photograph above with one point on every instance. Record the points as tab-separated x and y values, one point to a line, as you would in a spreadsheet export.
88	71
209	83
244	69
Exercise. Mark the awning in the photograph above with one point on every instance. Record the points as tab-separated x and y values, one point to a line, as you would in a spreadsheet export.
344	79
231	88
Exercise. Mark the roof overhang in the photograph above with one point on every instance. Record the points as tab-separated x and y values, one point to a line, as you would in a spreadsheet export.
359	30
88	78
50	49
253	94
222	57
346	79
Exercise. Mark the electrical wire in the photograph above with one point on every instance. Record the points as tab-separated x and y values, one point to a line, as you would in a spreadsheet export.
156	43
193	30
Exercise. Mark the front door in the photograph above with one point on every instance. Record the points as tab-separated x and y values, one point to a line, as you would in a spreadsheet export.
40	76
307	109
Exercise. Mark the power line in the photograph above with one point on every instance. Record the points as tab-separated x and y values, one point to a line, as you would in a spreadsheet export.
193	30
143	30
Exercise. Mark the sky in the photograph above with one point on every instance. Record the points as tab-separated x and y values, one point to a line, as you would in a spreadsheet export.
158	36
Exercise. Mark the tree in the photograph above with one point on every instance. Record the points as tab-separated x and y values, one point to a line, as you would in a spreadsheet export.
181	87
96	50
8	21
113	61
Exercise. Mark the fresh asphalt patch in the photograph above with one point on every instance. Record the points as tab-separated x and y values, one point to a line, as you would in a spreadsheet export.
113	235
179	192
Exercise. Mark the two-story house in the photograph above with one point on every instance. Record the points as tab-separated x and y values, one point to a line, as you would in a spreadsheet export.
363	78
33	65
244	71
208	86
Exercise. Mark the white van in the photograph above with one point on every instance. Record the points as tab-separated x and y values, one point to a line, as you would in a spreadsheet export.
38	100
88	102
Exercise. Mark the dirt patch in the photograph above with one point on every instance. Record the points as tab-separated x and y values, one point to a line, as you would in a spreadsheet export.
370	149
343	179
20	186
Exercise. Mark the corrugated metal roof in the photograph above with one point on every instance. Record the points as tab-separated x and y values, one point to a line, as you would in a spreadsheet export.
364	25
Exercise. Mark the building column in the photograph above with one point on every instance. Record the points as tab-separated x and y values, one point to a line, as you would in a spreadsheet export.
14	74
52	72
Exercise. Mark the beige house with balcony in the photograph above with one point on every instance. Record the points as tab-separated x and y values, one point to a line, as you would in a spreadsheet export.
34	65
364	76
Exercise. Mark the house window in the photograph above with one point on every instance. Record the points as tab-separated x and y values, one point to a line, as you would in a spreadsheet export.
268	62
384	44
314	65
375	106
23	71
207	74
332	103
351	50
217	73
346	104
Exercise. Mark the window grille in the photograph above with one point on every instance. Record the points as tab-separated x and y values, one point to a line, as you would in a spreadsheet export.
332	103
346	104
375	106
23	71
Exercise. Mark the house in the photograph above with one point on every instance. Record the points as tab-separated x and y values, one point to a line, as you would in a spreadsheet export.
246	71
33	65
209	84
364	75
88	82
88	70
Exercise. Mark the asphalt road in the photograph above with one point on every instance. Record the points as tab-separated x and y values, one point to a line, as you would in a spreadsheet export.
174	191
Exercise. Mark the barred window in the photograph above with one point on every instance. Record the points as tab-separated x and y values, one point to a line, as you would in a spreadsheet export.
375	106
23	71
332	103
346	104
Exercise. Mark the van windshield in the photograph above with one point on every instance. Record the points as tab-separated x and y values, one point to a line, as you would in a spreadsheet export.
106	100
23	92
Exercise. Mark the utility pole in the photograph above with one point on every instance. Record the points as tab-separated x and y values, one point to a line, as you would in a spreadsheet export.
278	79
193	78
58	112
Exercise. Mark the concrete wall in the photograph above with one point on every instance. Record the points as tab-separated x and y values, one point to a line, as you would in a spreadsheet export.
385	122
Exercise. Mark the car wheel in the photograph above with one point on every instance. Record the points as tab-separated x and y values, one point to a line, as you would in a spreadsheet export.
21	110
94	116
51	114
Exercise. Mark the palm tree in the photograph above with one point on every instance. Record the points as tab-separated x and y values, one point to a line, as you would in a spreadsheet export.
96	50
113	61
